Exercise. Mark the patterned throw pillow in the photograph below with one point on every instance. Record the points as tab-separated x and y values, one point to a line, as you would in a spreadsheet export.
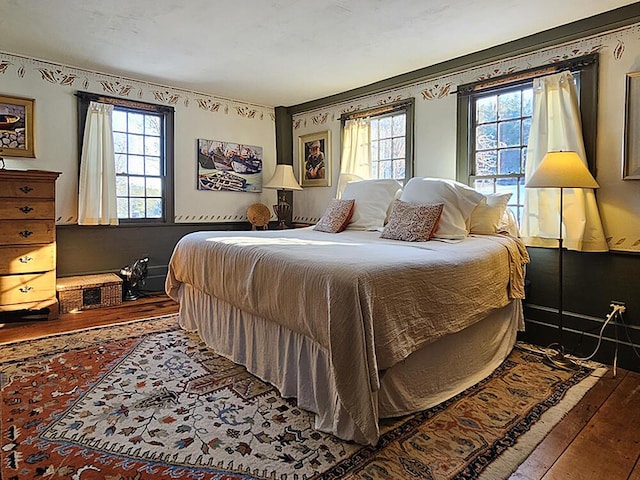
412	222
336	216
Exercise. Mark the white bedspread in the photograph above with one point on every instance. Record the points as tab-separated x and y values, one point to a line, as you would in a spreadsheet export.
369	302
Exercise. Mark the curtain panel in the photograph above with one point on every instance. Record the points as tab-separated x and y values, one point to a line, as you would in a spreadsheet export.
97	184
556	125
355	161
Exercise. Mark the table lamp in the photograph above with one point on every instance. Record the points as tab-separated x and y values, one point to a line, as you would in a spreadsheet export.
283	179
561	170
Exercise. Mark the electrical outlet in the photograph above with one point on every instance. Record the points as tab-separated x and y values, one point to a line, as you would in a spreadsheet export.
619	304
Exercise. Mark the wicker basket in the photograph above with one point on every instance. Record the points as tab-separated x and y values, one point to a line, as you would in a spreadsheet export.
89	291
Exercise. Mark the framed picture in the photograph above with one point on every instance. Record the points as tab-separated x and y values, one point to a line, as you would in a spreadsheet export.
16	127
229	166
631	163
314	154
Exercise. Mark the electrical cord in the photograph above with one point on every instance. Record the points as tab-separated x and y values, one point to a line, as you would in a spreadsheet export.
616	311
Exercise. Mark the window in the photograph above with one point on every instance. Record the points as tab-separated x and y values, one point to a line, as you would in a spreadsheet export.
140	163
388	137
494	119
143	151
500	130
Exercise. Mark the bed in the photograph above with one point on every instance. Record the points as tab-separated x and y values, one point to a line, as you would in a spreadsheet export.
355	327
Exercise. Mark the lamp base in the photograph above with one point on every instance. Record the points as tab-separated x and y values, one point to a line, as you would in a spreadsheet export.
556	358
282	210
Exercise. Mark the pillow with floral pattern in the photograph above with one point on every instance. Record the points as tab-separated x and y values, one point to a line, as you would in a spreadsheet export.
336	216
412	222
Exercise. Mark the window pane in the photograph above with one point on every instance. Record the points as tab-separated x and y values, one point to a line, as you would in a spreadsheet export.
136	144
399	170
484	185
526	128
509	105
136	186
122	185
398	147
399	125
137	208
375	152
152	166
373	127
121	163
136	123
119	121
527	102
123	207
136	165
385	150
154	208
486	136
152	146
487	163
385	169
486	109
509	161
154	187
119	142
152	125
375	170
385	127
509	133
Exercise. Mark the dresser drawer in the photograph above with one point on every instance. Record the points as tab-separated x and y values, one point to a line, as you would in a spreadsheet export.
26	208
26	189
26	232
27	259
27	288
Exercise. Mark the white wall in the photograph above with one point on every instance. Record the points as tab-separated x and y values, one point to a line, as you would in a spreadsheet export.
435	128
197	115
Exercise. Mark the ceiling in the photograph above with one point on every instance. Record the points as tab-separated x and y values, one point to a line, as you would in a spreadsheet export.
272	52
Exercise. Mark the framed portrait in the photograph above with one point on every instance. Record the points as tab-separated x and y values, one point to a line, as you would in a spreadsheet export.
314	156
16	127
631	162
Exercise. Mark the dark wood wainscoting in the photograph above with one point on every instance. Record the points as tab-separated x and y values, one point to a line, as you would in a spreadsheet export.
591	282
84	250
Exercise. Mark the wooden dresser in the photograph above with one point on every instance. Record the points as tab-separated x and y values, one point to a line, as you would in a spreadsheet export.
28	241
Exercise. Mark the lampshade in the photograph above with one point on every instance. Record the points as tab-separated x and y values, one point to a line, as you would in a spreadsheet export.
561	170
283	179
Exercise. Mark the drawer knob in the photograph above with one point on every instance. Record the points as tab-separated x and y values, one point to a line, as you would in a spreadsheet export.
26	233
26	189
26	209
25	289
25	259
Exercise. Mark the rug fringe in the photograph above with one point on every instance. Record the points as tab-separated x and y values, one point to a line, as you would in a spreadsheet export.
509	461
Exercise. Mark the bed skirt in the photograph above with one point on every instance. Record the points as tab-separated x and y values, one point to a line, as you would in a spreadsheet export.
299	368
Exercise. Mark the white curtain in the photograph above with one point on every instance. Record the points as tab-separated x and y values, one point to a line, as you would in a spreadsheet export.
97	184
555	125
355	162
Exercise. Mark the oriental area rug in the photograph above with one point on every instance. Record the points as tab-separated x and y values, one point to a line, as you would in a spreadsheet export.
145	400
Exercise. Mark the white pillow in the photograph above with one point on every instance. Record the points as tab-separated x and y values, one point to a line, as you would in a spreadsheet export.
459	201
486	217
373	198
509	224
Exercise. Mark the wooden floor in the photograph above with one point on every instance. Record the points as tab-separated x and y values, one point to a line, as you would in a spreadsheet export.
598	440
